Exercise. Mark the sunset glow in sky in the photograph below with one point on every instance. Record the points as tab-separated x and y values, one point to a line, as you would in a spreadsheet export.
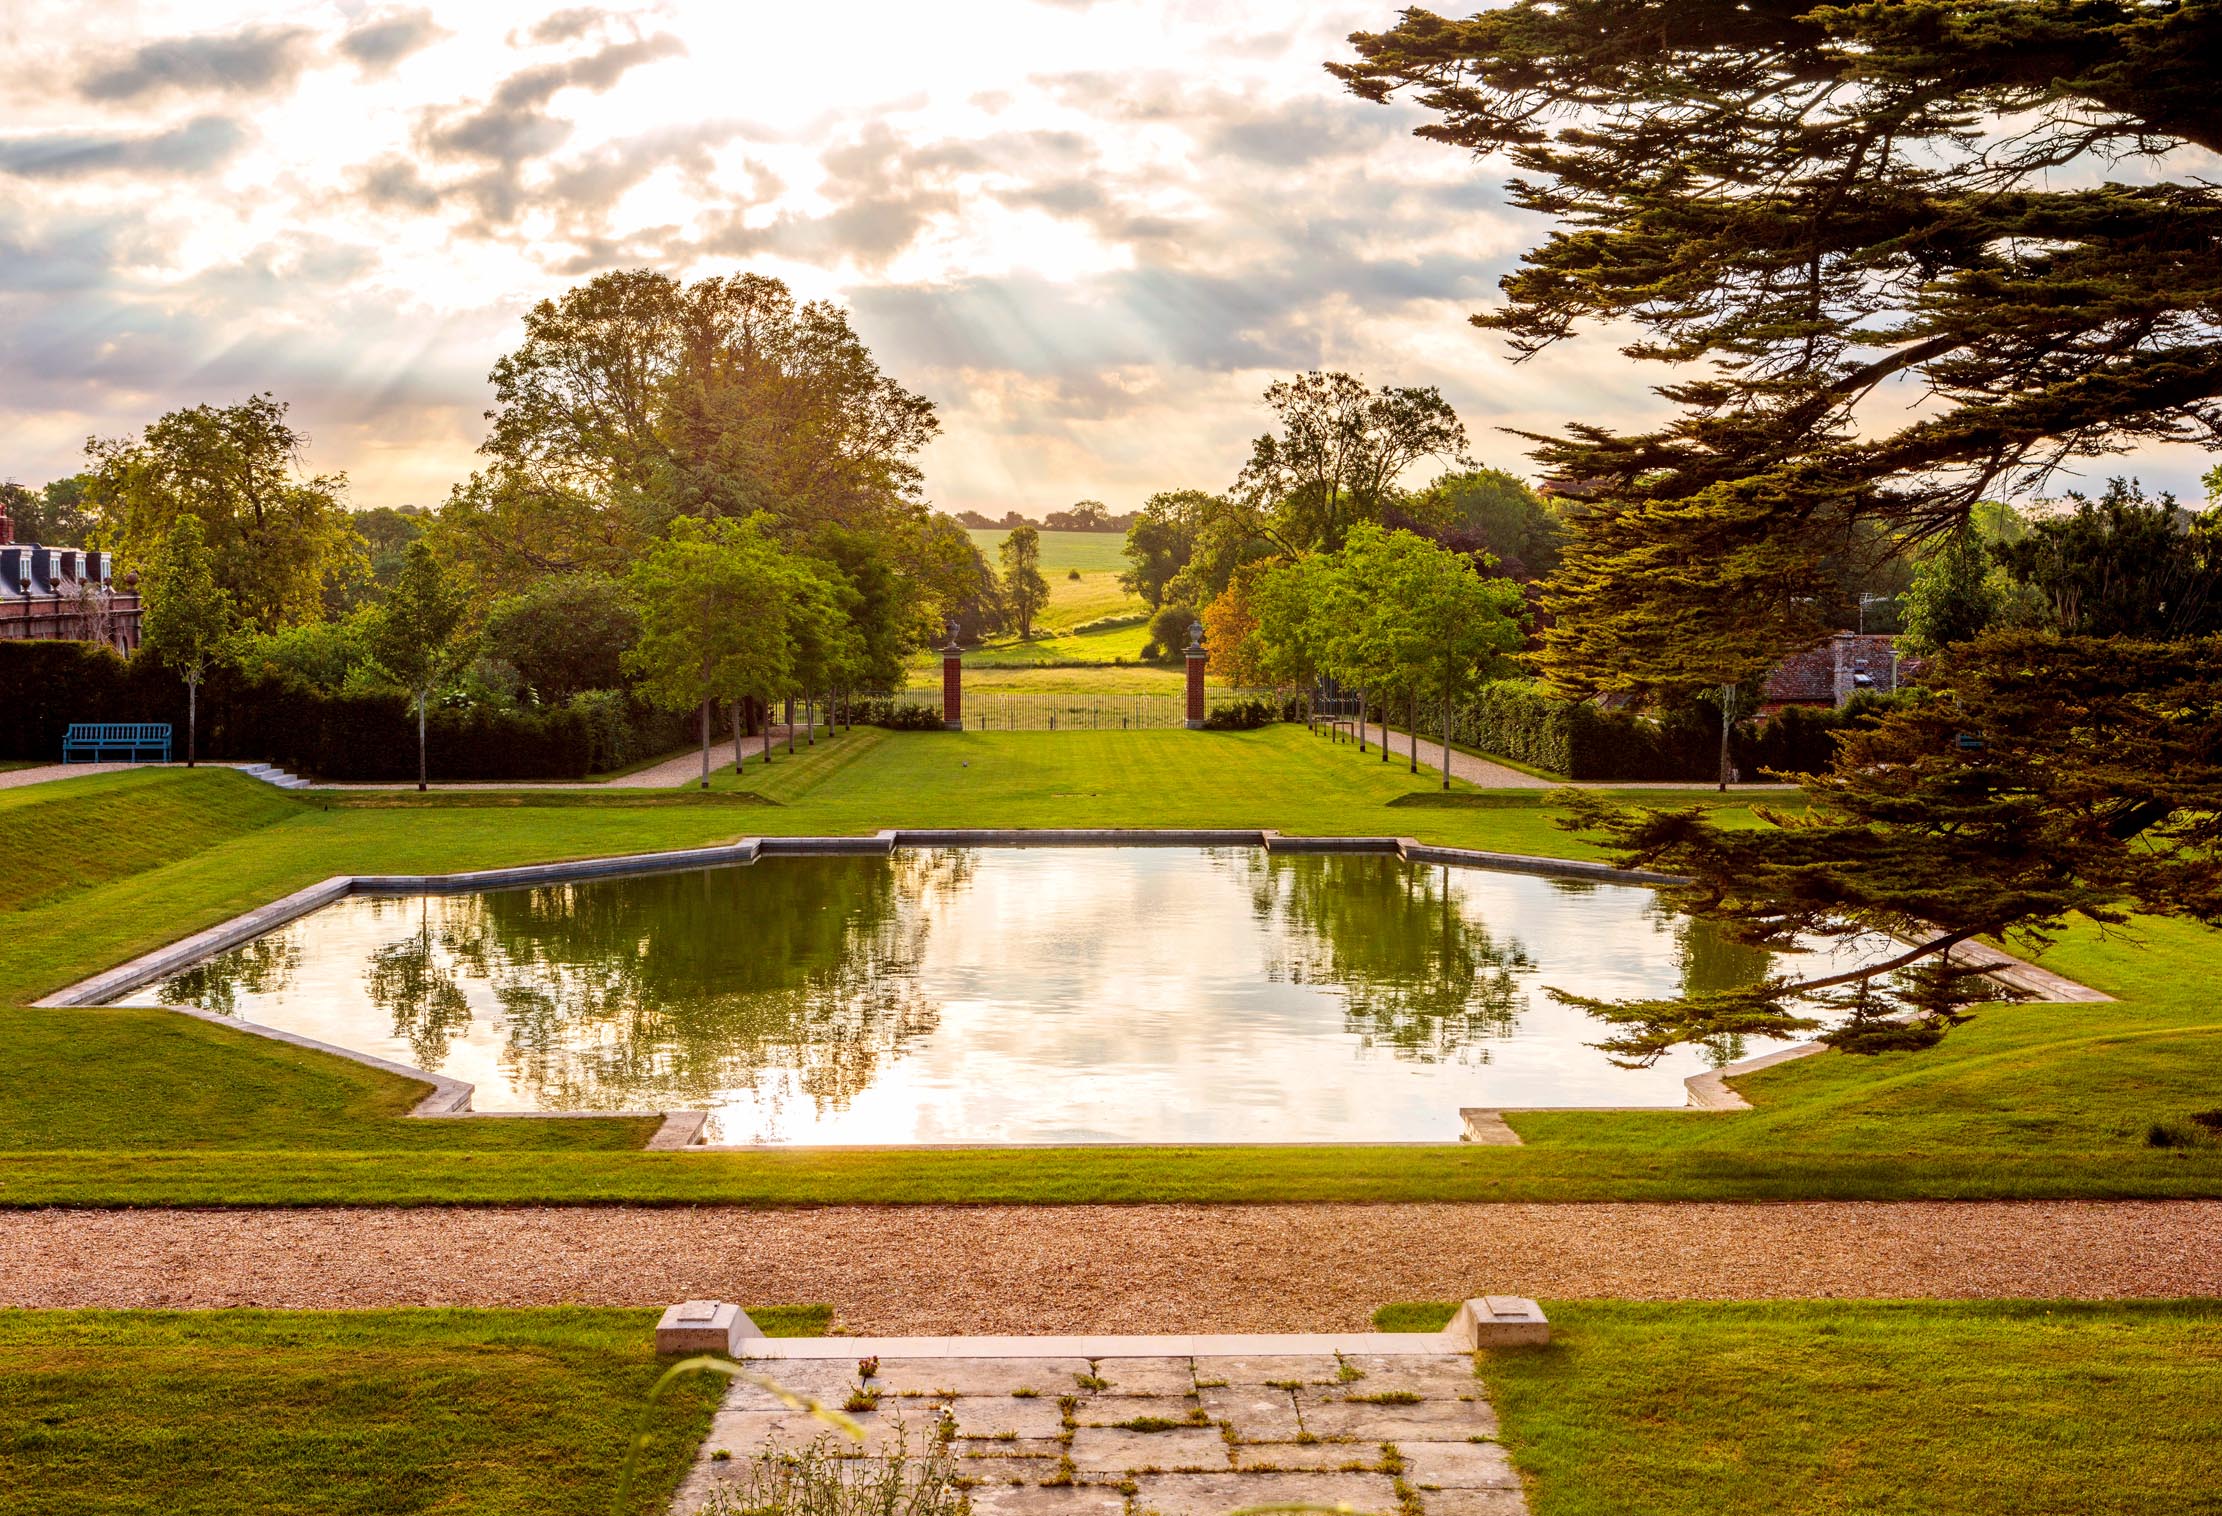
1090	232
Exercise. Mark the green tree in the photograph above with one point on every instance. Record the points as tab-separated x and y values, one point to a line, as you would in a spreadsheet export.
888	613
827	650
282	539
1025	591
1953	597
387	531
1488	510
1816	213
956	586
417	635
713	601
188	620
1162	539
2042	778
635	399
565	634
1336	457
2123	566
55	515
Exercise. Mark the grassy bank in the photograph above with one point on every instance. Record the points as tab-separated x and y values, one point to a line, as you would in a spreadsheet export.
208	1413
135	1107
1822	1408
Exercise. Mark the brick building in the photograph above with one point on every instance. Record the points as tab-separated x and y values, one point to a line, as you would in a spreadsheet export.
1832	672
64	594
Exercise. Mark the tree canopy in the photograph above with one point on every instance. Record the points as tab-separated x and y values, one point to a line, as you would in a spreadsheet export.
1818	212
2036	780
282	540
635	400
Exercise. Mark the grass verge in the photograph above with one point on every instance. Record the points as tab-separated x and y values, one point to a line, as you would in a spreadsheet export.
209	1413
1822	1408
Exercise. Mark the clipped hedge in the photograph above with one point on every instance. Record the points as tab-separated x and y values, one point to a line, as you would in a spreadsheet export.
44	686
897	715
1515	719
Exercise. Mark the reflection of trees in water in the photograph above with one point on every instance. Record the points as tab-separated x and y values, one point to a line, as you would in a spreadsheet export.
1709	961
1418	975
793	977
411	981
253	968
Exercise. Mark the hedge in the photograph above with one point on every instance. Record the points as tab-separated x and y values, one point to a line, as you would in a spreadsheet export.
44	686
1515	719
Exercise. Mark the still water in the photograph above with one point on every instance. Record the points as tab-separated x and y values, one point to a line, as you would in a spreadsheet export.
1001	995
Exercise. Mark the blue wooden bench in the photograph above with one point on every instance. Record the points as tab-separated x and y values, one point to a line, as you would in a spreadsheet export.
100	741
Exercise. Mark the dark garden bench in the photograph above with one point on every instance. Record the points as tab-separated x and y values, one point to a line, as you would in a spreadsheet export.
100	741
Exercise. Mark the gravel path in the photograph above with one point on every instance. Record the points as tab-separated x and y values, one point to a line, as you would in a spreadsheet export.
985	1269
47	773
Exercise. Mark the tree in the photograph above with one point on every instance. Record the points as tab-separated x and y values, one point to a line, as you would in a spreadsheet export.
713	603
566	634
416	635
387	531
956	586
887	611
634	400
1414	619
282	539
1025	591
1337	457
55	515
1489	510
1816	213
1952	598
1163	538
188	618
2123	566
1085	516
2041	778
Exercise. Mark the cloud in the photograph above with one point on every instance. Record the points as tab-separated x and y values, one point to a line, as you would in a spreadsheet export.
378	44
571	24
197	147
255	61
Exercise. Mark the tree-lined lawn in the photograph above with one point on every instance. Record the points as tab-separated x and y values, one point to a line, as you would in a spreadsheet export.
142	1107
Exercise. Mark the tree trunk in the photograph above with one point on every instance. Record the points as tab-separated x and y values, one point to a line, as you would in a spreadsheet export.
1412	716
1726	691
1361	721
767	730
706	743
1446	729
192	719
810	714
790	726
422	697
740	711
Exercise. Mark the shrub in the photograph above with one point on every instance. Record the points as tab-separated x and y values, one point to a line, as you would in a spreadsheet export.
1169	632
898	715
1242	715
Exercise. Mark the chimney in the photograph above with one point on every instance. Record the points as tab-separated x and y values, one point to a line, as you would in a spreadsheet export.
7	526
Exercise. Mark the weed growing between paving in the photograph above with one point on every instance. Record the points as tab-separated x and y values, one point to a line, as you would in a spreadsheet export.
817	1480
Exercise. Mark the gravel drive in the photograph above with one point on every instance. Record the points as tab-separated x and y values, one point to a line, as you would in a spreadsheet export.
929	1269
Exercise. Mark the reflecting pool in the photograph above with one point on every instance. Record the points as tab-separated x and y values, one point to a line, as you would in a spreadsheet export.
1001	995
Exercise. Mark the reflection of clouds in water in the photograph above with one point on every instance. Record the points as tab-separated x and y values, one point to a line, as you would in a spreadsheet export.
1027	994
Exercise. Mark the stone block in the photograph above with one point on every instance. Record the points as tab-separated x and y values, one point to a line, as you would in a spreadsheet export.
1256	1412
1473	1503
826	1380
1308	1455
1217	1494
1106	1410
1457	1465
1275	1368
1006	1471
1447	1376
981	1376
1147	1376
1499	1321
1108	1450
704	1326
1005	1415
1429	1421
1057	1500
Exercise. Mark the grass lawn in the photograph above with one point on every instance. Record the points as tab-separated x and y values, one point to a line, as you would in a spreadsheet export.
1824	1408
205	1413
136	1107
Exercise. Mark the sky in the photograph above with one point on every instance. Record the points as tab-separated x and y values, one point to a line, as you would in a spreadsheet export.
1091	231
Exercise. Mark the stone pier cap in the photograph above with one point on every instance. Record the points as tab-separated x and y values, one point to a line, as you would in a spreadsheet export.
1488	1321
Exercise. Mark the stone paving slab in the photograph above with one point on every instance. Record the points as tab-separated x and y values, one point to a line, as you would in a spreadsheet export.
1121	1436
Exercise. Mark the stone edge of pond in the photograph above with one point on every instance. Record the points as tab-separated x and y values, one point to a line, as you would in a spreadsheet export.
450	1098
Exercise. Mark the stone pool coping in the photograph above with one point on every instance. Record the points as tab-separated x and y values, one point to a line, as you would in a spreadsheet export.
451	1098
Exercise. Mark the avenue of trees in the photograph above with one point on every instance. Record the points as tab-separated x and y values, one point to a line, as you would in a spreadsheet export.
1813	215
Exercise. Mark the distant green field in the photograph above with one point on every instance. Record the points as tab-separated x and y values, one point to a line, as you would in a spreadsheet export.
1098	557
